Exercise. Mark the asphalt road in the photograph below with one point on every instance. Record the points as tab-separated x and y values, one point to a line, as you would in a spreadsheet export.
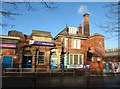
86	82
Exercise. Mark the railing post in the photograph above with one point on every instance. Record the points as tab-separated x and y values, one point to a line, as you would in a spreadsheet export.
63	72
50	72
20	71
73	72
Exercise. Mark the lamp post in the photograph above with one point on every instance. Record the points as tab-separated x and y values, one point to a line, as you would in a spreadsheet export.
68	45
35	52
35	59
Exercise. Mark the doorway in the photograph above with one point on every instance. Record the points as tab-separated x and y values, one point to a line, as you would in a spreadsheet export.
27	62
7	62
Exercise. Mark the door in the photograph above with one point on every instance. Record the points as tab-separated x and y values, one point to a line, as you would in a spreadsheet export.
27	62
7	62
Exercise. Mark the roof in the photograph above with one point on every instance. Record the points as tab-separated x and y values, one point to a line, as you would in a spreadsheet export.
112	54
64	32
41	33
15	33
94	53
96	34
97	51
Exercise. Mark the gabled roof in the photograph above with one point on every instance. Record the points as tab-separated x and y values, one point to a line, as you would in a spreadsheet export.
64	32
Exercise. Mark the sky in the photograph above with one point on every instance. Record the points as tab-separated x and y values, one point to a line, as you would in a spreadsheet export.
54	21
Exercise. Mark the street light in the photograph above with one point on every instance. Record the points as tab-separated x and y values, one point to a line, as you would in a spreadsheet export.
68	45
35	60
35	53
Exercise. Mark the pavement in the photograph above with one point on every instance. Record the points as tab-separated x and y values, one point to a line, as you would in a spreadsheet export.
58	81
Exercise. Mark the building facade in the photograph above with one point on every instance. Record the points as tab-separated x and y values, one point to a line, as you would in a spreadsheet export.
8	52
81	48
73	47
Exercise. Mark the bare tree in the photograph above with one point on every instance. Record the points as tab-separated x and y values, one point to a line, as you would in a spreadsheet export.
112	26
9	13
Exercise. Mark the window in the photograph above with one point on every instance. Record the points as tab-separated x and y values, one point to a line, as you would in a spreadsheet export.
100	44
98	59
92	58
71	59
80	59
41	58
68	59
75	59
76	43
72	30
65	42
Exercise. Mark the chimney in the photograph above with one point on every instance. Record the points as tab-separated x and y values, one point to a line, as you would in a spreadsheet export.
86	25
80	29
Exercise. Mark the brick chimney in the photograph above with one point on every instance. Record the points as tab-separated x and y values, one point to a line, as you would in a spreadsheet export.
80	29
86	25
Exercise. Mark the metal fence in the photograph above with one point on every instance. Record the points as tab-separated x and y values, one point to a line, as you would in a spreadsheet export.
38	70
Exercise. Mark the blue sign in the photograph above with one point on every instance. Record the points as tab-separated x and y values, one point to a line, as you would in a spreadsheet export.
41	43
107	67
62	63
54	63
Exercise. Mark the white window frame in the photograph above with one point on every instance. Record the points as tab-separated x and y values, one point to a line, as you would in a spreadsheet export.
76	44
43	56
78	59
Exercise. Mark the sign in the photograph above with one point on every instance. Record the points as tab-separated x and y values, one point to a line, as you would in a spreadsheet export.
8	45
54	63
74	66
107	67
41	43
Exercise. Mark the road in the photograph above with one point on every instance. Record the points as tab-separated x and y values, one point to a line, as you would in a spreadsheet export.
87	82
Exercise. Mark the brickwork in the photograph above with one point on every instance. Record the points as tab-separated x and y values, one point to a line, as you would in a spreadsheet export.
71	40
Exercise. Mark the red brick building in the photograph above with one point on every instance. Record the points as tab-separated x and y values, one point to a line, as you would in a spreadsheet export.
82	48
74	46
8	52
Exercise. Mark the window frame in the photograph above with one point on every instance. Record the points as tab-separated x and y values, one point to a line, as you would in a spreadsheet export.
39	63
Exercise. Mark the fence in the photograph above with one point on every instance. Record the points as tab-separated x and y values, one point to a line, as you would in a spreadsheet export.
38	70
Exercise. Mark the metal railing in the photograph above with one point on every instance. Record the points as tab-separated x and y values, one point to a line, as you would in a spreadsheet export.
38	70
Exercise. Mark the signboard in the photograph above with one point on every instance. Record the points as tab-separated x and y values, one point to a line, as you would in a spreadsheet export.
8	45
54	63
41	43
74	66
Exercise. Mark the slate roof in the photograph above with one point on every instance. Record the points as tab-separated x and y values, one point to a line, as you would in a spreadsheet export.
64	32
